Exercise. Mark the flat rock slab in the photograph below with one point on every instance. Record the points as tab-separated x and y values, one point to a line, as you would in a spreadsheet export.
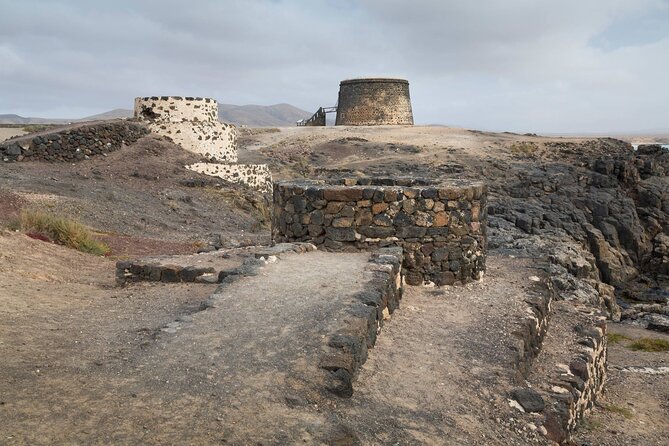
208	267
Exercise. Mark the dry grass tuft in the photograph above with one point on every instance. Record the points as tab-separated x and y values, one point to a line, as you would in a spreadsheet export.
649	345
524	148
61	230
616	338
625	412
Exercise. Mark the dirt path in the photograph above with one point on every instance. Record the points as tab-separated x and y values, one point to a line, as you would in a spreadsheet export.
90	364
441	370
87	363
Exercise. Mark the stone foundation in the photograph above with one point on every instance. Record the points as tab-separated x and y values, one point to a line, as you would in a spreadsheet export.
440	225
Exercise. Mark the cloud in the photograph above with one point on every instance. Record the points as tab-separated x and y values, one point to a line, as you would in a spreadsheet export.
522	65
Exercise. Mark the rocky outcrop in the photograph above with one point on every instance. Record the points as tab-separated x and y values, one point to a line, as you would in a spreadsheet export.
605	201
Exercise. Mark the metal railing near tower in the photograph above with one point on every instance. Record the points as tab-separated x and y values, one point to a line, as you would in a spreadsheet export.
318	118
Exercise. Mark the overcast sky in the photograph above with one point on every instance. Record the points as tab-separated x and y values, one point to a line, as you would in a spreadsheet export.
517	65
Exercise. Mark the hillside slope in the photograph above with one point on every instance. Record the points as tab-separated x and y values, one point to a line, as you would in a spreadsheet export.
278	115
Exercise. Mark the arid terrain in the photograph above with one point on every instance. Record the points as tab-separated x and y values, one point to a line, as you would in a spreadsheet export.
86	361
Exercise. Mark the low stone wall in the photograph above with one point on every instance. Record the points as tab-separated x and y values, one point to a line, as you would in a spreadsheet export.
346	350
74	144
573	388
440	226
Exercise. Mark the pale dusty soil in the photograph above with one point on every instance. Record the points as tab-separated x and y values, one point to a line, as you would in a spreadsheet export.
87	363
6	133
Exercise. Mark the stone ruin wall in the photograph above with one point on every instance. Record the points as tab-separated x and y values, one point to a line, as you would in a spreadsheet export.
71	145
256	176
374	102
441	227
193	124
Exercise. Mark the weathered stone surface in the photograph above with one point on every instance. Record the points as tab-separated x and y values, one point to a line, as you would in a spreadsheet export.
342	222
382	220
342	194
171	273
340	234
441	219
529	399
374	101
377	208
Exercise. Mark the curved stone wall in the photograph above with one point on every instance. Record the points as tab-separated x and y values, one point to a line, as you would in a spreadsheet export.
374	101
256	176
190	122
441	226
176	109
193	124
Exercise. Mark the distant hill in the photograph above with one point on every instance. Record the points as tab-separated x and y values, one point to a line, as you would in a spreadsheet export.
112	114
16	119
279	115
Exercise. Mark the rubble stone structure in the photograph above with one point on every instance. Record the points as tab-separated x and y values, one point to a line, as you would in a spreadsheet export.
374	101
441	226
73	144
193	124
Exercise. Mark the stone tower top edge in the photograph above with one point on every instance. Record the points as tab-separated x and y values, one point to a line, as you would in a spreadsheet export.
176	98
367	80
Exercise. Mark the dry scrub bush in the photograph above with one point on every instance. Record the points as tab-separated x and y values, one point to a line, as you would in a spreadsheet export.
61	230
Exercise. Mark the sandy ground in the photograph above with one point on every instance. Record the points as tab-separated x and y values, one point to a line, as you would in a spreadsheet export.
88	363
6	133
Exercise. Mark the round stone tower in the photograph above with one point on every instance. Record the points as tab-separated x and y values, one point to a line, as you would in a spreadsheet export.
193	124
190	122
374	101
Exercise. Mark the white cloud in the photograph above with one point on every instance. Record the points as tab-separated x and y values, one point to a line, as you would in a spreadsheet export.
522	65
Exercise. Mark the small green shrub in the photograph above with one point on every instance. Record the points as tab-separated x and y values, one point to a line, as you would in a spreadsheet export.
616	338
523	148
625	412
61	230
649	345
34	128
